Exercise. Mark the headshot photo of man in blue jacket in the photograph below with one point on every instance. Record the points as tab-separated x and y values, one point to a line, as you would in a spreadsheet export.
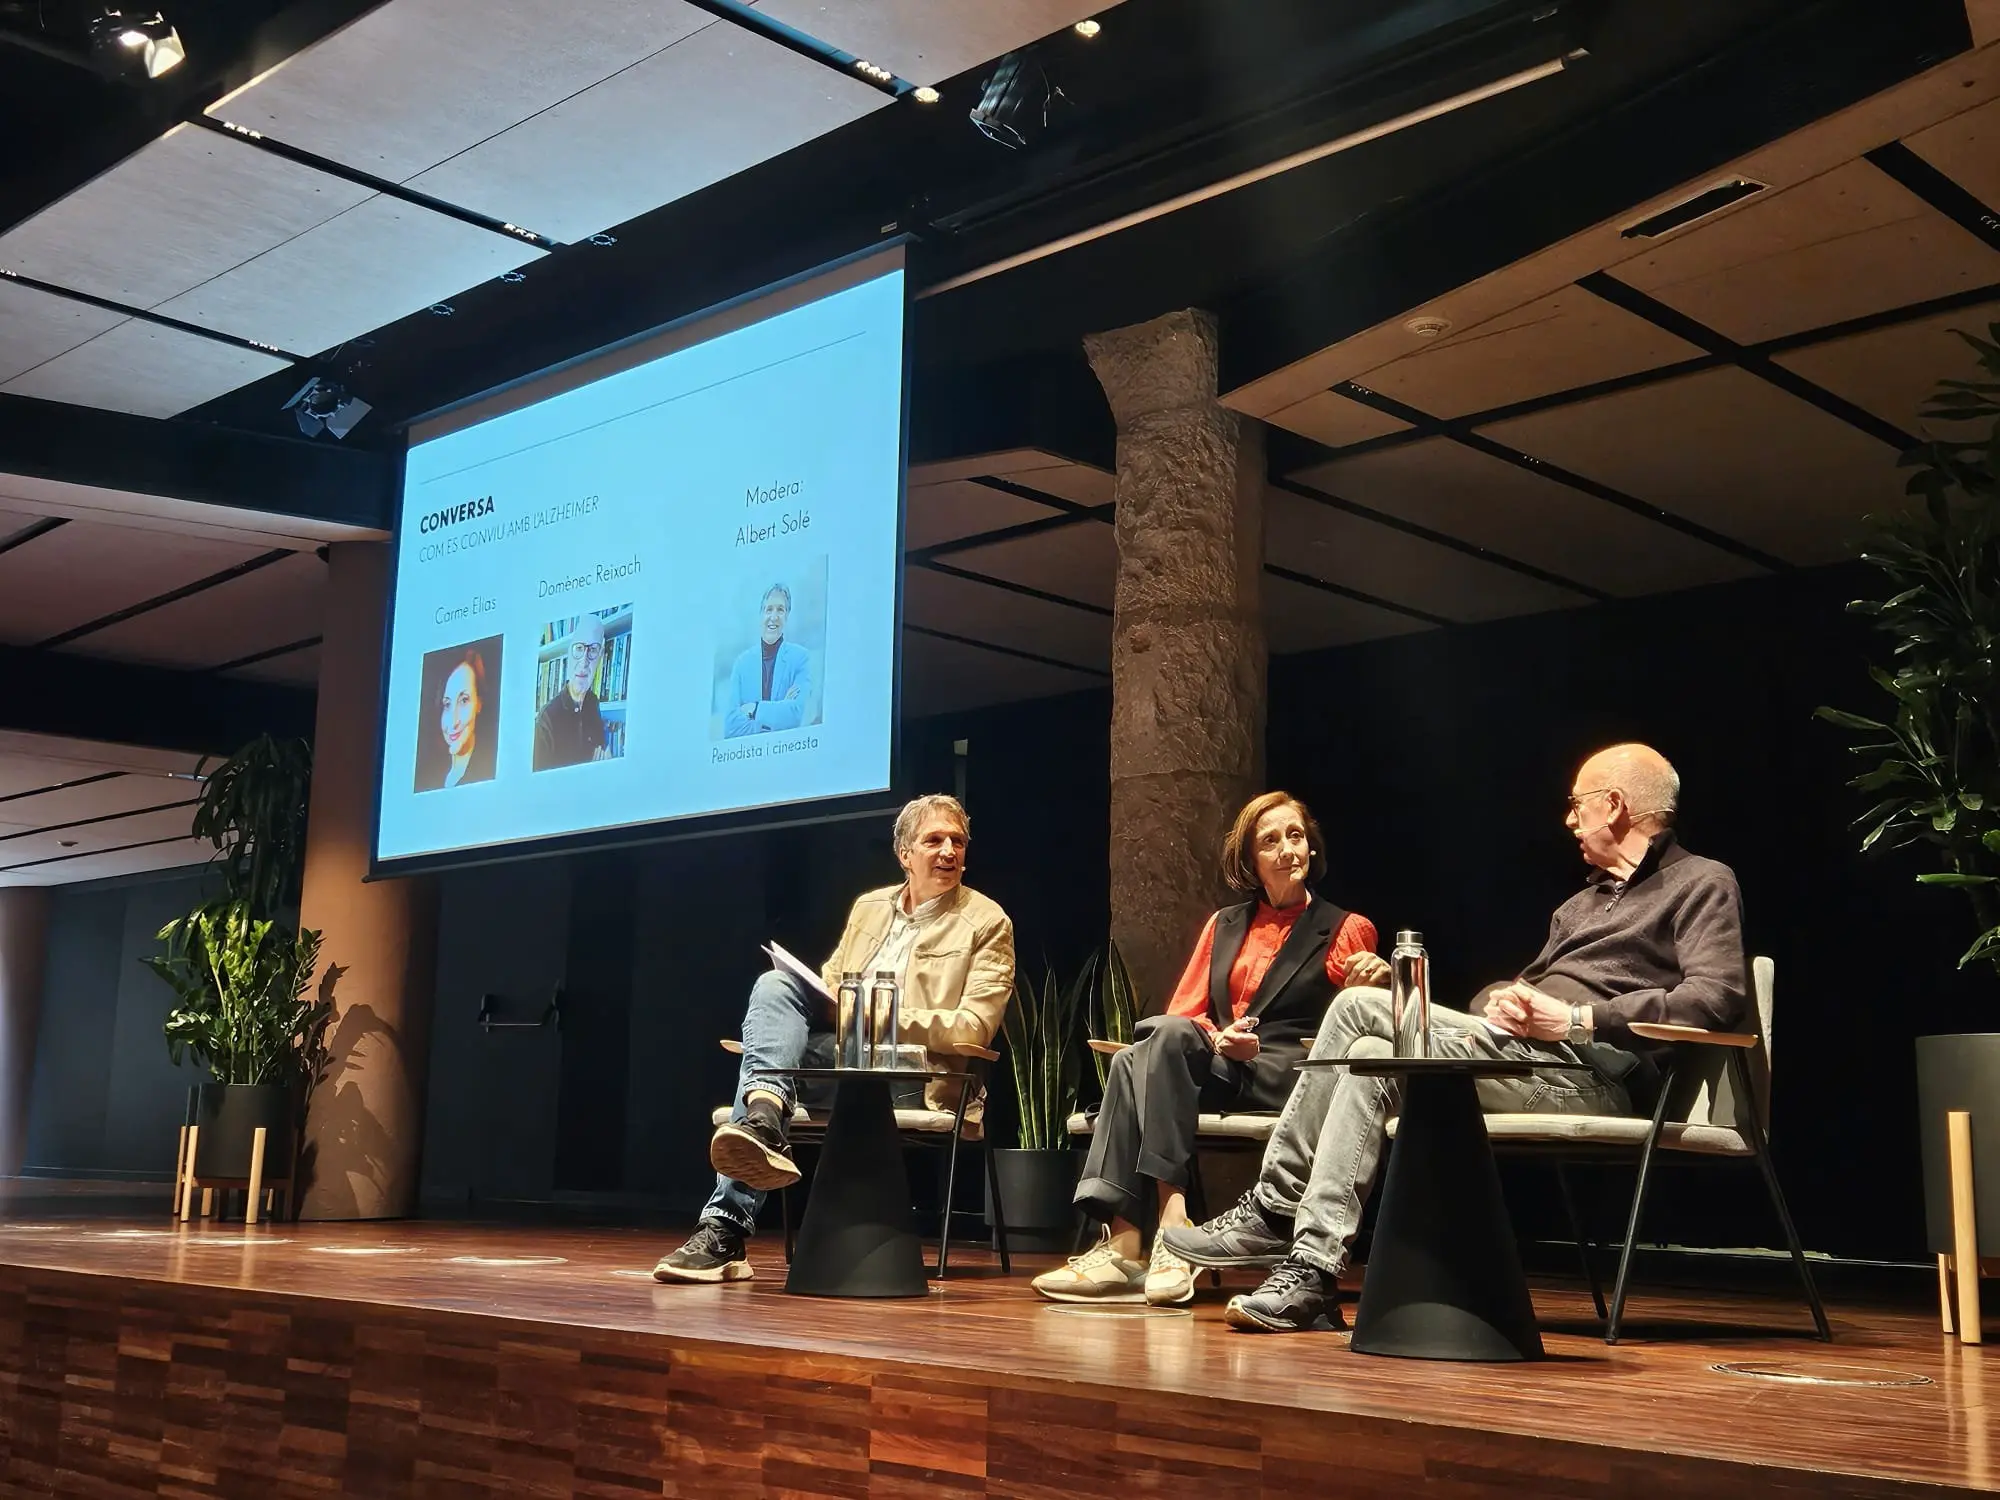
771	687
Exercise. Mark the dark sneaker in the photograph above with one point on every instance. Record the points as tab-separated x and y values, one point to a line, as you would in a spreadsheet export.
1246	1235
753	1150
714	1252
1295	1298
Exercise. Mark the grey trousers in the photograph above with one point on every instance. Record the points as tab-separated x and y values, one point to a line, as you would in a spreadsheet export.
1323	1156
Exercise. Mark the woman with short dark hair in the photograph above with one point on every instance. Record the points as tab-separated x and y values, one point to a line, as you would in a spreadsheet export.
1244	1012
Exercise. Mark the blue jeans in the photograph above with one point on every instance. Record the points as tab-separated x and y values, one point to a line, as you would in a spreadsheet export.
783	1027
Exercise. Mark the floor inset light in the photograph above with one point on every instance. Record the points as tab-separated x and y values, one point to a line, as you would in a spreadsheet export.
1088	29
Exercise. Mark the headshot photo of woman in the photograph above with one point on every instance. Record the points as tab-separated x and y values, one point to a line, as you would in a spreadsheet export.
458	731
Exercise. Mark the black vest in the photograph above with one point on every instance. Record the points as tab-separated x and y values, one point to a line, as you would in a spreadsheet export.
1290	1001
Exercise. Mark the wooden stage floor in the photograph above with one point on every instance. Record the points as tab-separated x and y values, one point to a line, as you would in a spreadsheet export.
427	1358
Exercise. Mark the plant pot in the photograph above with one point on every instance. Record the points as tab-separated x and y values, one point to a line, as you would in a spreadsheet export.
1959	1072
229	1115
1037	1189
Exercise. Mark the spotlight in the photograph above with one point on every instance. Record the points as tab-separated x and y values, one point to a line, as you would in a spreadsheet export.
1088	29
925	94
1018	102
325	406
120	43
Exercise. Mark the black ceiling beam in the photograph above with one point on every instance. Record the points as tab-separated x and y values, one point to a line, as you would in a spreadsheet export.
32	531
1608	288
1105	513
1459	431
805	45
147	315
1939	190
1007	585
1292	575
63	786
160	601
272	654
88	698
1014	651
56	859
117	817
1815	59
196	461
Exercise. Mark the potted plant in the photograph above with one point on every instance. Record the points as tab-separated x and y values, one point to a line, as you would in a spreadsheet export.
1038	1174
240	967
1934	771
1114	1006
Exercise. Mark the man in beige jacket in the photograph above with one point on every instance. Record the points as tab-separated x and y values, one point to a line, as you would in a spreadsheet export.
953	950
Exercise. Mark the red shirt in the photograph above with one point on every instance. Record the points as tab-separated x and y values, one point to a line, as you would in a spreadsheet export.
1261	941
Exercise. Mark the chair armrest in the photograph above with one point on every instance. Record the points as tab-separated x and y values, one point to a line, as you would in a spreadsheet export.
973	1049
730	1044
1662	1031
1109	1049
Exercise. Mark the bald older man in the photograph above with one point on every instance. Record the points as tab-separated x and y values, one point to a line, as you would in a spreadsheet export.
1656	935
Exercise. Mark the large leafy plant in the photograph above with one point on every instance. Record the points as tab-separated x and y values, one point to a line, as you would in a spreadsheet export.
1114	1005
1044	1040
1934	773
239	966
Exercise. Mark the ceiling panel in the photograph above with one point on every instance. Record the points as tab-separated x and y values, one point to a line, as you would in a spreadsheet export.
983	613
144	369
1083	483
369	266
923	41
1078	562
1463	493
167	856
35	327
960	508
1308	537
82	572
1845	244
1298	617
30	773
1335	420
414	83
175	213
1557	343
944	677
119	795
92	838
1967	150
295	668
1727	450
723	98
1893	371
273	606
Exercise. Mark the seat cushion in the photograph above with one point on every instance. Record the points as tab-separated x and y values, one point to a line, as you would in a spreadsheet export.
923	1121
1610	1130
1234	1127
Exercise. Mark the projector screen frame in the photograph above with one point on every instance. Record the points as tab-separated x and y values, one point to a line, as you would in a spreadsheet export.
773	815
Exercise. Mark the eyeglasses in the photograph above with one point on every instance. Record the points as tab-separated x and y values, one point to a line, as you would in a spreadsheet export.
1577	801
585	651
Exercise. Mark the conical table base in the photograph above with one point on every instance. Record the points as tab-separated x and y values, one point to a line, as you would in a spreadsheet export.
1444	1278
857	1239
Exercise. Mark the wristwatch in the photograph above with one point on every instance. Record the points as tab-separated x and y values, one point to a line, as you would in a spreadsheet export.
1578	1032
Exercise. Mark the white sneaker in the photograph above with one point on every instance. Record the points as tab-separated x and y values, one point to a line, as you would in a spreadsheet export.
1169	1279
1100	1274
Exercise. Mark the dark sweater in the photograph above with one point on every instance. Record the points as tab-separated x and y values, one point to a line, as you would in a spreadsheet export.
568	731
1665	945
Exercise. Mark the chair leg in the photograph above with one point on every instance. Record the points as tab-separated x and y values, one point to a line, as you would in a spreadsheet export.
999	1208
1638	1207
785	1218
1582	1242
1944	1292
951	1182
1763	1150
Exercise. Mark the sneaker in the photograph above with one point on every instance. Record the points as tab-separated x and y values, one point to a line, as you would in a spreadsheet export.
714	1252
1169	1279
1295	1298
1100	1274
754	1151
1247	1235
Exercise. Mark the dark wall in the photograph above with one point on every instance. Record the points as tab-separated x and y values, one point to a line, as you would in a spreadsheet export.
106	1101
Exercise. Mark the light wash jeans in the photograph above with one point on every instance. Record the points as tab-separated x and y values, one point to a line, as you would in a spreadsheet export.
1323	1155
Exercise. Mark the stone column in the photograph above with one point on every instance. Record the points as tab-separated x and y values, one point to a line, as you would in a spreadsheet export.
1187	635
24	946
379	953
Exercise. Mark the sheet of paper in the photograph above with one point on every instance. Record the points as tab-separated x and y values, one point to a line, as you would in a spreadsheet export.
787	962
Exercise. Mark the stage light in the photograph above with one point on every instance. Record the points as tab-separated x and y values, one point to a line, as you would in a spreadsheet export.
119	43
1017	103
325	406
925	94
1088	29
